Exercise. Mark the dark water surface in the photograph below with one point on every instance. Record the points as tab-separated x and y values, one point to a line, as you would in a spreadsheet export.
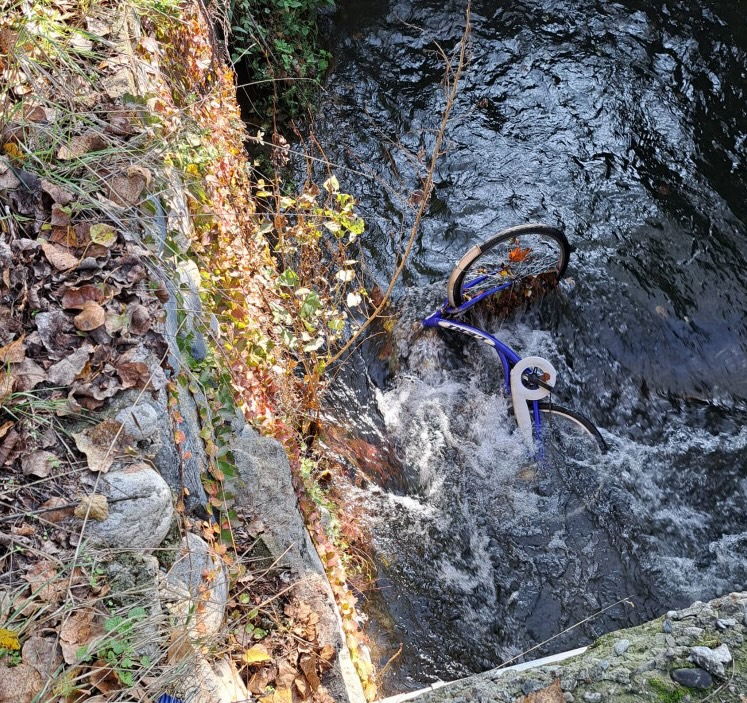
623	123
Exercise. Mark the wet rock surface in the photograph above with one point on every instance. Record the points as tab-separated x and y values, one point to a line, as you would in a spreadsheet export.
655	665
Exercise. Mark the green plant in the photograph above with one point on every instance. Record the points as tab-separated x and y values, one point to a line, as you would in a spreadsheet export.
276	43
665	693
119	648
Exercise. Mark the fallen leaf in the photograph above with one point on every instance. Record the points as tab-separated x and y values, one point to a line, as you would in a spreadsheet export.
103	234
551	694
140	318
76	632
65	371
5	427
28	375
279	695
19	684
57	193
100	444
133	373
90	317
13	353
43	654
52	328
55	515
76	298
39	463
94	506
57	256
8	178
45	583
256	655
308	666
126	190
81	144
103	677
9	640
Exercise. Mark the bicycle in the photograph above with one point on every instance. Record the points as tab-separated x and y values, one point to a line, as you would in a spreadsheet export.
514	265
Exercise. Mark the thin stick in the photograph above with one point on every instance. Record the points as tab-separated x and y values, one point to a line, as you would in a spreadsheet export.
427	186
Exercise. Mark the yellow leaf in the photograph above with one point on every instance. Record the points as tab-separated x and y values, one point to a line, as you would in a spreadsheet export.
9	640
256	655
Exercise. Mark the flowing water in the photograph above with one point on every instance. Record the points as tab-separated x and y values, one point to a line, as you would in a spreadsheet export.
623	123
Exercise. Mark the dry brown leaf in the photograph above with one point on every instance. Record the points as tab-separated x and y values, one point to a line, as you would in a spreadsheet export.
286	674
126	190
39	463
28	375
76	298
133	373
100	444
302	687
13	353
8	179
59	258
43	654
65	371
55	515
90	317
81	144
279	695
78	630
261	679
308	665
57	193
19	684
5	427
257	654
45	583
103	677
140	171
95	506
60	216
551	694
140	318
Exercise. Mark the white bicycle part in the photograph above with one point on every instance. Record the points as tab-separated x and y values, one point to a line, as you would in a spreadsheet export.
521	395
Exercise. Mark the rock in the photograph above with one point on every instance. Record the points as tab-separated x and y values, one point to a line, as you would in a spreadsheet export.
530	686
666	626
140	421
693	631
198	578
621	646
593	697
140	509
692	678
712	660
265	487
724	623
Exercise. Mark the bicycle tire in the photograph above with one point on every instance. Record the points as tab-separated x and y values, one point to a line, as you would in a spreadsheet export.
577	419
498	260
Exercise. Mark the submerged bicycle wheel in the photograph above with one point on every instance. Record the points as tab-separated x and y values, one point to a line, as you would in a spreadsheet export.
572	467
533	255
567	430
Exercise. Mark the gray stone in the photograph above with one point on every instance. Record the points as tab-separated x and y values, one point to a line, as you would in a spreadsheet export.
712	660
265	488
693	631
531	685
692	678
724	623
666	626
140	421
197	576
593	697
140	509
568	697
621	646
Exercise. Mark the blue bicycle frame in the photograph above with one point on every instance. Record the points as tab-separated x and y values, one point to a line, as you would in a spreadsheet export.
509	358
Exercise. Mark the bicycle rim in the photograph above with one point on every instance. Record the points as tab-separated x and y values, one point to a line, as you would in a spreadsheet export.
524	259
572	458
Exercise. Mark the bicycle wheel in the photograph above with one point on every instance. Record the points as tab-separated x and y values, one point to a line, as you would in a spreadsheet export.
533	255
569	432
571	469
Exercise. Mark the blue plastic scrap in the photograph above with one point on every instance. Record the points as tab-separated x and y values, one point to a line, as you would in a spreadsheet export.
166	698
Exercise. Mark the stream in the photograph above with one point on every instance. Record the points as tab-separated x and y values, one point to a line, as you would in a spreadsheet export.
623	123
